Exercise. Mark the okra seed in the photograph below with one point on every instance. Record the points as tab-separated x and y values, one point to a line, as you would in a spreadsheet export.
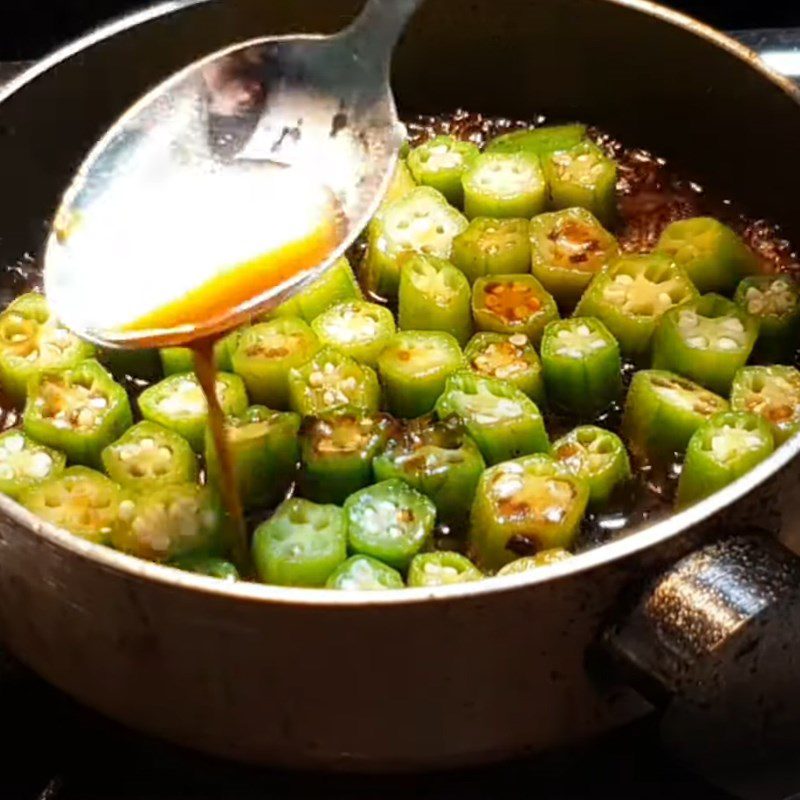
315	380
727	344
519	340
40	465
14	444
697	341
7	472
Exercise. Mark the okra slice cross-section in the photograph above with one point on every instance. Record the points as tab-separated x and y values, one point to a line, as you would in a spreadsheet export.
771	392
491	246
721	450
364	574
773	301
441	569
434	296
301	544
512	304
706	340
631	295
25	463
581	365
149	455
389	521
663	410
503	421
510	357
357	329
598	457
522	507
440	163
504	185
78	410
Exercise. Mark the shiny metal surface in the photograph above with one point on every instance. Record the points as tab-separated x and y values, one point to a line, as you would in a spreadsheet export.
453	675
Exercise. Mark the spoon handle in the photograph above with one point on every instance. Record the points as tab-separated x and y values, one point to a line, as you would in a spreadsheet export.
377	28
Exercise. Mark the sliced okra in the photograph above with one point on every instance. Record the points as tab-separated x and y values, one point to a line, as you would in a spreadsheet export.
441	569
509	357
364	574
25	463
772	300
491	246
175	360
771	392
356	328
401	184
504	185
525	564
538	141
209	566
440	163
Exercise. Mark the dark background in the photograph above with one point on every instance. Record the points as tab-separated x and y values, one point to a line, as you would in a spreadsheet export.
29	28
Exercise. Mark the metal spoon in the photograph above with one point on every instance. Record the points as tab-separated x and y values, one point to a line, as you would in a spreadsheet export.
280	145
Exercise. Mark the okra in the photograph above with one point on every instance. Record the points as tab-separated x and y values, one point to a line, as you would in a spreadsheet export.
175	360
438	459
178	403
662	411
413	369
149	455
364	574
491	246
420	222
441	569
568	248
581	365
401	184
631	295
512	304
25	463
264	451
78	410
504	422
209	566
171	522
509	357
721	450
538	141
584	176
31	341
713	255
434	296
504	185
525	564
706	340
267	352
331	381
598	457
522	507
389	521
79	500
771	392
772	300
358	329
301	544
337	451
440	163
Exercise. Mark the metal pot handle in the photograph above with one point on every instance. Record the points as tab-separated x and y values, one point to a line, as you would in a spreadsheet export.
714	643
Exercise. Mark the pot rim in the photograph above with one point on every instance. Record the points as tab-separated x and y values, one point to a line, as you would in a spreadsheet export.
594	558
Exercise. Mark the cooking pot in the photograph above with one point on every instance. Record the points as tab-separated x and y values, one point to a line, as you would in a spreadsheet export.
459	674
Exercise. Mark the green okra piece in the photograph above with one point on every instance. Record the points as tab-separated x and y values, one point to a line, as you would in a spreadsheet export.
267	352
413	369
389	521
598	457
583	176
512	304
630	296
401	184
441	569
771	392
32	341
568	248
175	360
721	450
264	451
25	463
434	296
170	522
523	507
772	300
332	381
363	574
301	544
538	141
509	357
504	185
504	422
581	365
491	246
149	455
337	451
713	255
440	163
356	328
662	411
706	340
79	500
544	559
419	222
438	459
78	410
209	566
178	403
